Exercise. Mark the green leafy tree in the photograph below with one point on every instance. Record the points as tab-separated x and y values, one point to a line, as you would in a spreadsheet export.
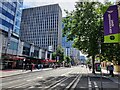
68	59
84	26
88	61
60	53
111	52
54	55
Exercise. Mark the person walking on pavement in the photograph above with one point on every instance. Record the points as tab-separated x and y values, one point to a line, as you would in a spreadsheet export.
111	69
89	67
31	66
38	66
107	68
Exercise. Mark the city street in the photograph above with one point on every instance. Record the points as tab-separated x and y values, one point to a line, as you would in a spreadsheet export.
77	77
56	45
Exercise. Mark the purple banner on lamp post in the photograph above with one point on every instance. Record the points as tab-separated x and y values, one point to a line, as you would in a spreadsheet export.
111	21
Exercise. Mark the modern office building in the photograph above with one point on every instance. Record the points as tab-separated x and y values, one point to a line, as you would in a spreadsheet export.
82	59
10	18
67	45
42	26
70	51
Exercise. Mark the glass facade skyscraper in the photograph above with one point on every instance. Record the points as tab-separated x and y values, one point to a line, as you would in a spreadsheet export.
10	18
42	26
10	15
68	49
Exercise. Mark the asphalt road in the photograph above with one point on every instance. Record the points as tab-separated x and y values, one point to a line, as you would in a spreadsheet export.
76	78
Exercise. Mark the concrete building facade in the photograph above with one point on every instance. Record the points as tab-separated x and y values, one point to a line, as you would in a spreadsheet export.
42	26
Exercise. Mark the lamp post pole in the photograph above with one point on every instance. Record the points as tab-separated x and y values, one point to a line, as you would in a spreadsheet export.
99	41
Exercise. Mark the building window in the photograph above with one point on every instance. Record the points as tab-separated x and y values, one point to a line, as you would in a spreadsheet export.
13	45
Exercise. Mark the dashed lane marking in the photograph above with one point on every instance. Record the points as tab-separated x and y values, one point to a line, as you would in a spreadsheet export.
59	83
72	82
66	73
75	84
34	79
96	86
89	84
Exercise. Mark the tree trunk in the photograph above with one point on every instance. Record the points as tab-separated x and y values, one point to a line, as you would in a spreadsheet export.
93	64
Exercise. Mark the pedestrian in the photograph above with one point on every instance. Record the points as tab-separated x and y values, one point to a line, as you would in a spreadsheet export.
38	66
86	65
41	66
111	69
107	68
90	67
31	66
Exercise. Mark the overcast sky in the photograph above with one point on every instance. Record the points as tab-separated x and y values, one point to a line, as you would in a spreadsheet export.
64	4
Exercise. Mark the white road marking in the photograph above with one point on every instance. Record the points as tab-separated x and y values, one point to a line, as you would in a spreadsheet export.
75	84
34	79
59	83
66	73
96	86
11	82
71	83
24	84
31	87
40	77
50	80
89	84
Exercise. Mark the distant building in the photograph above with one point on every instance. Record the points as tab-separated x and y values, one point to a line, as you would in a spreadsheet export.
82	59
30	50
67	45
69	50
42	26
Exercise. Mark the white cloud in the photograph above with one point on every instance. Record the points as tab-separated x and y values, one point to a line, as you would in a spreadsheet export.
64	4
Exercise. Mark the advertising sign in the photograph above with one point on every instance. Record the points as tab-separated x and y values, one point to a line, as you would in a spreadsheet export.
98	67
111	25
50	48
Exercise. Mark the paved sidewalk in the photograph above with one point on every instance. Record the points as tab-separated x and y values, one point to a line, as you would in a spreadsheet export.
6	73
105	71
115	79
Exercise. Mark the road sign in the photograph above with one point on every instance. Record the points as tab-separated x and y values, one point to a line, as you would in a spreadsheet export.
111	25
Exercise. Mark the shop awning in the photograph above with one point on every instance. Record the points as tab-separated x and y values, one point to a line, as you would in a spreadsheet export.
17	58
48	61
51	60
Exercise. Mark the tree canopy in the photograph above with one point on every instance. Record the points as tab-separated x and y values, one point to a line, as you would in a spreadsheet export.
60	53
84	26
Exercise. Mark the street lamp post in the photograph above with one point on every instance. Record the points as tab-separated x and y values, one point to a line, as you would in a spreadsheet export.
99	41
23	64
